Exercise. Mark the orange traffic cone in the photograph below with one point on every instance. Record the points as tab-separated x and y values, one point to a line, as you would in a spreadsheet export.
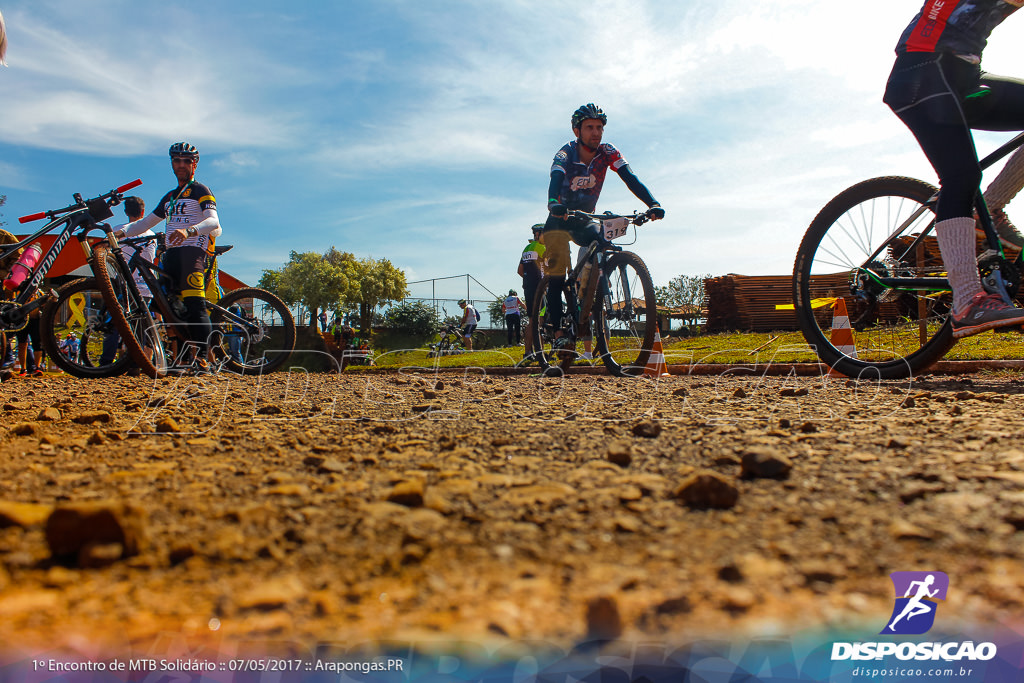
842	334
656	365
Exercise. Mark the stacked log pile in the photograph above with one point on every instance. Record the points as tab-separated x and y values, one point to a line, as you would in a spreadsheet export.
747	302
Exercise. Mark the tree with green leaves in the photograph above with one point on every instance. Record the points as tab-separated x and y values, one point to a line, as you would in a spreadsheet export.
337	280
309	279
374	283
3	200
684	291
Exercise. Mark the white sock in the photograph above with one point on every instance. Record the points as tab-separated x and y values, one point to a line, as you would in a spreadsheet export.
956	242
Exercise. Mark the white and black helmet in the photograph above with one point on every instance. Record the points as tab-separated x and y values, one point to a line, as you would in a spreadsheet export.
183	149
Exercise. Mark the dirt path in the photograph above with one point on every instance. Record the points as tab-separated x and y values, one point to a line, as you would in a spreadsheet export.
467	508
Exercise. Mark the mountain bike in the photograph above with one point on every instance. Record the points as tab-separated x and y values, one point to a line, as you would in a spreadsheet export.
874	246
252	330
610	294
131	313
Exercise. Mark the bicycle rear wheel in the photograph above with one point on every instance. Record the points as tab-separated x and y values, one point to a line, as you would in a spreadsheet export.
79	314
129	312
554	358
263	342
625	315
866	247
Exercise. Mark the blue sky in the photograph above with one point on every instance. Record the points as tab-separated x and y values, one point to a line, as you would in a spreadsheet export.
423	131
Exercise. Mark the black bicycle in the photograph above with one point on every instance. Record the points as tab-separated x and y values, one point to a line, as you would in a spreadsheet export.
874	246
609	295
130	311
253	330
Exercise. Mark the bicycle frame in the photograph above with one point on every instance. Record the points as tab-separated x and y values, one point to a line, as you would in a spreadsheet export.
84	214
151	274
942	284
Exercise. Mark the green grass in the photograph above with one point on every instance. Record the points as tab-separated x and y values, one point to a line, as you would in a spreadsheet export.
723	348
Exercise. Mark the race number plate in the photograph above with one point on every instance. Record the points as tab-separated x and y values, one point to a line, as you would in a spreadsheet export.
614	227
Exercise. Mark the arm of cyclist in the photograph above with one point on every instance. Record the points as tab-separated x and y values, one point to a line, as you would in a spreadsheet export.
138	227
641	192
555	207
210	226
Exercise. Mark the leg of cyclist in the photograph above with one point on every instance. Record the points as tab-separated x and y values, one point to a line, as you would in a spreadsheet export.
558	232
187	266
940	98
588	282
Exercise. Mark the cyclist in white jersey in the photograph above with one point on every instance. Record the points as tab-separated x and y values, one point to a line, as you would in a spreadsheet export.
192	226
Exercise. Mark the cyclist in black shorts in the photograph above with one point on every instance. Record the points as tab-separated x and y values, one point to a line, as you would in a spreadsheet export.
192	226
937	88
577	176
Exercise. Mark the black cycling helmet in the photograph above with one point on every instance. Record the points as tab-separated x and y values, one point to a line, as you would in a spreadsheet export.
183	149
537	227
588	111
462	302
512	292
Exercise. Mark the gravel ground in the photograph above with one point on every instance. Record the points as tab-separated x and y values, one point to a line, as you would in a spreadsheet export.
459	507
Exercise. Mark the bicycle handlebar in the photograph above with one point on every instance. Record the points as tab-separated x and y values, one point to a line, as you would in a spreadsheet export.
111	198
636	218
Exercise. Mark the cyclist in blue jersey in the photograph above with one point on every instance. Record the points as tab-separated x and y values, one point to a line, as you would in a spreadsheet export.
577	176
938	89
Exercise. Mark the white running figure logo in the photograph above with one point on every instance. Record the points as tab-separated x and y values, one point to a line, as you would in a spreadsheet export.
916	606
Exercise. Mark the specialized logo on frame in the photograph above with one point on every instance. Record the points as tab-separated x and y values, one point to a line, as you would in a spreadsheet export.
917	599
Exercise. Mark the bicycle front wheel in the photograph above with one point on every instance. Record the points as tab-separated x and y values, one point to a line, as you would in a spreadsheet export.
625	315
78	334
254	331
129	312
874	247
553	348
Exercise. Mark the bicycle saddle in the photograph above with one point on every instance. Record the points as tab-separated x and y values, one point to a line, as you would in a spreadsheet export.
222	249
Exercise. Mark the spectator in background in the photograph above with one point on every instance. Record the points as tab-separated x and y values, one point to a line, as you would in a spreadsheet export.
469	321
513	317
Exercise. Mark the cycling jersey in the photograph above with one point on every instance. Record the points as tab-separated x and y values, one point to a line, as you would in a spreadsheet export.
582	183
530	259
185	208
958	26
511	305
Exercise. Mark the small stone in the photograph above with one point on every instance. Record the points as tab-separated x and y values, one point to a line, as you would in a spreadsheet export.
707	490
647	429
603	619
739	393
620	453
331	465
803	391
91	417
764	463
269	410
167	425
72	527
95	439
23	429
407	493
48	415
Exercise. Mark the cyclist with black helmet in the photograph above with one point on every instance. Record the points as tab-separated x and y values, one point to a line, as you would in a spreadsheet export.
577	176
192	226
